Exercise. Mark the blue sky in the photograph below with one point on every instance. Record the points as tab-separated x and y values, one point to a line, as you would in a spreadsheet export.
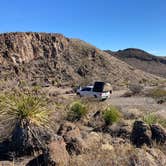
107	24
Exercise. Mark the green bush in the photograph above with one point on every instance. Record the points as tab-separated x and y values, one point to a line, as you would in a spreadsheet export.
152	118
77	110
111	115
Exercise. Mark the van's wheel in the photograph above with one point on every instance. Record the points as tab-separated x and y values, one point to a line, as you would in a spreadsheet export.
95	96
79	94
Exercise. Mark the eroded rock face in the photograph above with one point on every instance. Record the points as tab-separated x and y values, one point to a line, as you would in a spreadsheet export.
141	134
22	47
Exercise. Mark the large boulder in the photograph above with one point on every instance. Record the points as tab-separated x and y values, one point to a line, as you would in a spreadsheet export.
28	138
158	133
141	134
55	154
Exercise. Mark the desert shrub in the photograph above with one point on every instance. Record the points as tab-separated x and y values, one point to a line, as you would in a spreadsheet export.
77	110
135	88
154	119
26	118
111	115
157	93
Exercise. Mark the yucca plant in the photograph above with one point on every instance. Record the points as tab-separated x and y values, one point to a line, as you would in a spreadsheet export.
27	120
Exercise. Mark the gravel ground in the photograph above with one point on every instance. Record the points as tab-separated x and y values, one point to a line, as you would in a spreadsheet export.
140	102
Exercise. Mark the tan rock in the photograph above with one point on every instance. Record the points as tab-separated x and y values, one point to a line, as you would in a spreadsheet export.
58	153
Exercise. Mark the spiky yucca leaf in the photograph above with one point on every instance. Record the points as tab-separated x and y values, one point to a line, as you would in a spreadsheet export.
19	107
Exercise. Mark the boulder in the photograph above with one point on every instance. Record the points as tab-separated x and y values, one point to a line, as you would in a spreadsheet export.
141	134
158	133
57	153
72	136
96	121
24	142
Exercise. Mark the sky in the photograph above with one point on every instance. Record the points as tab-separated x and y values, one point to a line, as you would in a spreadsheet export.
107	24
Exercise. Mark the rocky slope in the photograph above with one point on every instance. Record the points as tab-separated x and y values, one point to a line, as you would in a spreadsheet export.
142	60
52	58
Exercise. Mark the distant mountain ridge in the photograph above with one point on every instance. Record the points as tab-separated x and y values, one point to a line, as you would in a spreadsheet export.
142	60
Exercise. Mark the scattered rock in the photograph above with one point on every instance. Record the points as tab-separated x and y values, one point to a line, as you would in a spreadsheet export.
118	141
141	134
158	133
158	156
76	146
107	147
120	130
148	156
92	140
72	136
69	131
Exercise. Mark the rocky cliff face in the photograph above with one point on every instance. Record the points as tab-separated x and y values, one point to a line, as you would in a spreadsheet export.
19	48
55	58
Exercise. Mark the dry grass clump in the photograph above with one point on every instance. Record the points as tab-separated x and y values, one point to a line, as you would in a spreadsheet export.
157	93
152	118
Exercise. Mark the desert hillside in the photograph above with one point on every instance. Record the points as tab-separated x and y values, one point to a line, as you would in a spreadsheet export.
40	57
142	60
43	122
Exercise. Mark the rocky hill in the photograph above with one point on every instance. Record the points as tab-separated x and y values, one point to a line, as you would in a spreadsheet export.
53	58
142	60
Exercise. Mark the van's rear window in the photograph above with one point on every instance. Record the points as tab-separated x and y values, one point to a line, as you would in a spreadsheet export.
98	87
